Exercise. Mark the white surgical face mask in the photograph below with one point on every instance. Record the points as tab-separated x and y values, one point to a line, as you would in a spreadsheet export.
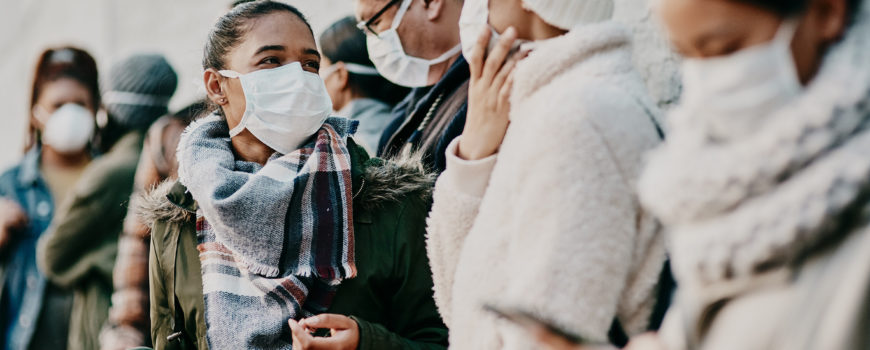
473	21
350	67
752	82
69	129
389	57
284	106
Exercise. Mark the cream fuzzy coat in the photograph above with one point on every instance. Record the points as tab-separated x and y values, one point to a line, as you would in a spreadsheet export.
552	224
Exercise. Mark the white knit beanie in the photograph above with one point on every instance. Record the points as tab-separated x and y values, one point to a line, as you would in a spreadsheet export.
567	14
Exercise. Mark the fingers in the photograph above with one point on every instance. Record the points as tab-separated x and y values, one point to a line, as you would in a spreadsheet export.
495	60
4	237
301	338
344	332
504	72
504	95
22	217
331	321
551	341
318	343
475	62
11	214
296	328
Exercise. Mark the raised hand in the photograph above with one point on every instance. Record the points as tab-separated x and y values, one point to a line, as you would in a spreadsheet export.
12	218
488	95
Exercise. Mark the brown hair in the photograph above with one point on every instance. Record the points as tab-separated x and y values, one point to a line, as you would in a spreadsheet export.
59	63
232	27
786	8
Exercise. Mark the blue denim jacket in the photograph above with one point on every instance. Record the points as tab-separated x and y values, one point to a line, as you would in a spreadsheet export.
22	286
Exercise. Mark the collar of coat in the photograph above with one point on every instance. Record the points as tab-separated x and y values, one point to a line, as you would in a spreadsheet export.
596	49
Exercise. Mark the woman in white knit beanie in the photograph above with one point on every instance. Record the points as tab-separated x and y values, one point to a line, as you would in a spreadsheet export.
567	14
537	207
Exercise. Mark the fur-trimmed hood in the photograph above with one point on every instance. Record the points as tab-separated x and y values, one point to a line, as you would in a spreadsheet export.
376	182
154	205
386	181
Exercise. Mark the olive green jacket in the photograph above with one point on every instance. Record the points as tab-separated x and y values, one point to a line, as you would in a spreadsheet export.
78	250
391	298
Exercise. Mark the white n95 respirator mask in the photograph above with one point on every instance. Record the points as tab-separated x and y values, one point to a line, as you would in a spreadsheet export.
68	129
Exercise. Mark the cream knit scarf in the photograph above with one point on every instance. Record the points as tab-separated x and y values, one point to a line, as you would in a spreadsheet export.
772	191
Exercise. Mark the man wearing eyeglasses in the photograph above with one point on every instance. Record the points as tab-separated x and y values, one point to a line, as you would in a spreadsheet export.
415	43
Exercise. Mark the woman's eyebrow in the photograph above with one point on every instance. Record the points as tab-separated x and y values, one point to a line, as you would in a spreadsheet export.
714	32
310	51
270	48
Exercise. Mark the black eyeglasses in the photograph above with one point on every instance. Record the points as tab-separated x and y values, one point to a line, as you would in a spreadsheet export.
366	26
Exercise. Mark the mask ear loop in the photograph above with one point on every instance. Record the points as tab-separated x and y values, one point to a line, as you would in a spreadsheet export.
787	30
784	37
230	73
360	69
326	73
235	75
400	15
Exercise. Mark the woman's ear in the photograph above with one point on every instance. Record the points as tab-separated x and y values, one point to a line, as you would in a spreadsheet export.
214	90
37	117
832	17
434	8
342	75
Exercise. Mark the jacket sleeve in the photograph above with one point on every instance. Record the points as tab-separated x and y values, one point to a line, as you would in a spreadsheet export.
583	212
457	197
413	317
161	315
79	242
373	336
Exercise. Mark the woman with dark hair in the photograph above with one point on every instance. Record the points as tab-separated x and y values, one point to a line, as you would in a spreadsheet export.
357	90
764	181
280	227
34	312
79	248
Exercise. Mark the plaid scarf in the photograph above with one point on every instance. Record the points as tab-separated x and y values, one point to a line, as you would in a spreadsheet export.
275	239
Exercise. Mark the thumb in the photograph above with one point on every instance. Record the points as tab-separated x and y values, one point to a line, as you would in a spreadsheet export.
330	321
295	327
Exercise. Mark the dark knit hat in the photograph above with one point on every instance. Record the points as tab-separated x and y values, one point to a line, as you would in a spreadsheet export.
139	90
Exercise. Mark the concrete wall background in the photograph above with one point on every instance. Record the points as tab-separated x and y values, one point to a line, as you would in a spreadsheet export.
110	30
113	29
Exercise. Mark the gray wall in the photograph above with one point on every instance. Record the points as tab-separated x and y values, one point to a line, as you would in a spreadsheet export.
111	30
